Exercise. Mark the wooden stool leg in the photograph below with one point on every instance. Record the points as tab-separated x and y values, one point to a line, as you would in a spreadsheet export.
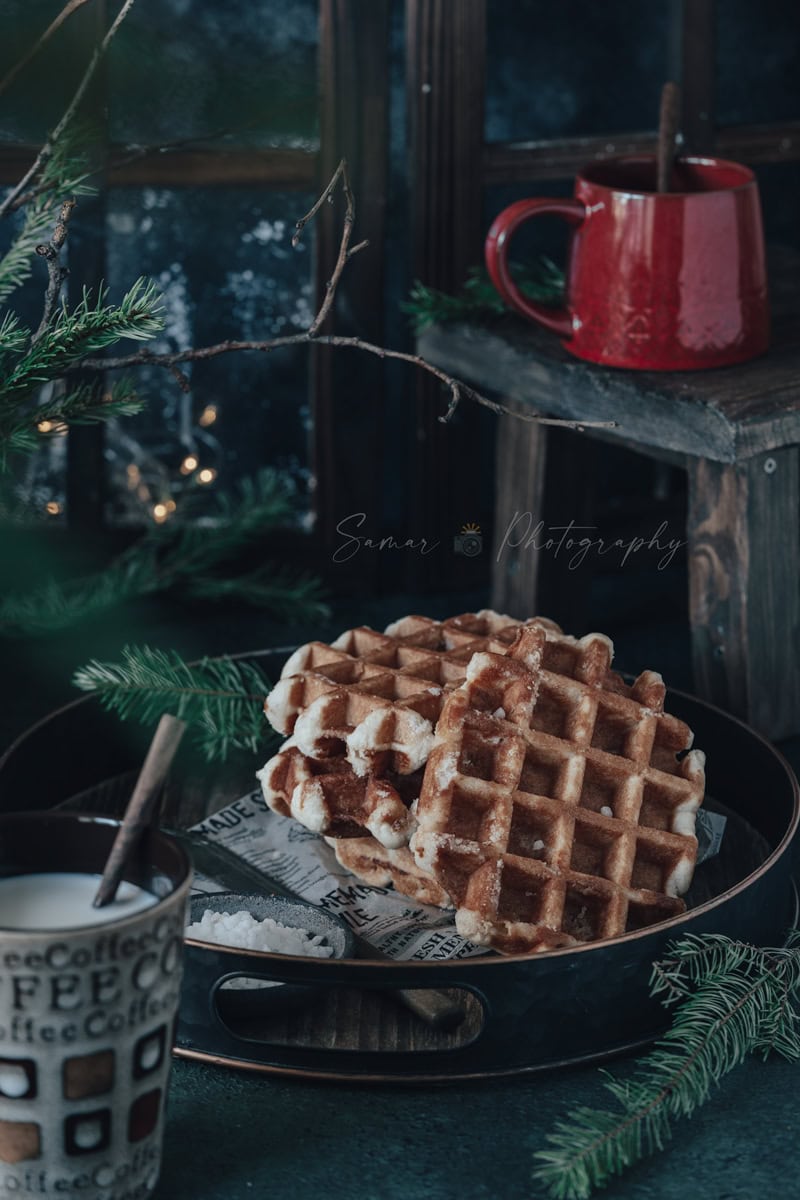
519	489
744	587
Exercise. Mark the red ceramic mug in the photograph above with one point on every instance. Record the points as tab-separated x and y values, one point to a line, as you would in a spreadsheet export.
669	281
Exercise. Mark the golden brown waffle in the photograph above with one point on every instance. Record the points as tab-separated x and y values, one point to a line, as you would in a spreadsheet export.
559	818
375	698
374	864
328	797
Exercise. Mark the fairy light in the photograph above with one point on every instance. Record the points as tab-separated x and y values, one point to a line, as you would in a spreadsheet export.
207	475
208	416
143	491
46	426
160	513
189	464
53	507
171	506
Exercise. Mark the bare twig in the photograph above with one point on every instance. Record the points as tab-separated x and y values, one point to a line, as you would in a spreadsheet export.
345	253
69	8
47	149
458	390
51	251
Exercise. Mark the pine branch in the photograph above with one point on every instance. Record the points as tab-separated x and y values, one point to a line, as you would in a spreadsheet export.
220	699
732	1000
479	299
186	556
87	404
91	326
64	175
287	595
13	337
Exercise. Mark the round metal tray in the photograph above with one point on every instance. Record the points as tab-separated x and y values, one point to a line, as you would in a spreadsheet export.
524	1013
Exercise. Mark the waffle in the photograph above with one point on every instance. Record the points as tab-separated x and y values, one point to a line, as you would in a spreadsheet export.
557	811
328	797
375	698
380	867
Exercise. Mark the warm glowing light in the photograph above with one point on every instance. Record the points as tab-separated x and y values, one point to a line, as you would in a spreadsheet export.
171	506
53	507
143	491
46	426
207	475
189	464
160	513
208	416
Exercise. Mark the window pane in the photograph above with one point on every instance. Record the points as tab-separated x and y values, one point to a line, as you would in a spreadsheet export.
41	91
190	68
557	70
224	262
758	49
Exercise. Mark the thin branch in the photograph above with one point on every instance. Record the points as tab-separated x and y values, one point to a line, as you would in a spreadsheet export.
47	149
69	8
458	390
51	251
345	253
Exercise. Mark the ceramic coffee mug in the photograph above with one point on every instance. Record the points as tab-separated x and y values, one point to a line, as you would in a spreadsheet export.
86	1012
669	281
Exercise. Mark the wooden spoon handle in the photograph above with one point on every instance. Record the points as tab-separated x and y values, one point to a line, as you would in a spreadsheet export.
668	122
140	806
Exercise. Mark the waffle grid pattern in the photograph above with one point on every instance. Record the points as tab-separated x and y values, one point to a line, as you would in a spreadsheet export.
563	822
376	697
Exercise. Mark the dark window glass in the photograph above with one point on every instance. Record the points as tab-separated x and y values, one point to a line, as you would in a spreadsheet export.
224	262
557	70
758	57
187	69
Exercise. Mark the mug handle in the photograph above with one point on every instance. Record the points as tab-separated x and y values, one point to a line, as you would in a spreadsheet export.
498	240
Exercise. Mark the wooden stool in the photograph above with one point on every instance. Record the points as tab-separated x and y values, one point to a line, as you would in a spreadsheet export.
736	430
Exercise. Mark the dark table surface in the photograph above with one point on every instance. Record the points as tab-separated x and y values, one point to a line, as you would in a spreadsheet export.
233	1135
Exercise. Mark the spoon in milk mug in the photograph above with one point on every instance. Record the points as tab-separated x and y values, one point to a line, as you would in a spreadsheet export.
139	810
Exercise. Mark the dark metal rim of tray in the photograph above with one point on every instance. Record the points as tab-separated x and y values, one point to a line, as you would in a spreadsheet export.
549	1010
564	1007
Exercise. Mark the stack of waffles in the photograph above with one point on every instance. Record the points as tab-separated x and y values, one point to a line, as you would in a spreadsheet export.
494	765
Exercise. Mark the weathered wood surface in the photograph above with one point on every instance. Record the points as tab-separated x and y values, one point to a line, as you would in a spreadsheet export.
195	167
562	158
727	414
744	587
